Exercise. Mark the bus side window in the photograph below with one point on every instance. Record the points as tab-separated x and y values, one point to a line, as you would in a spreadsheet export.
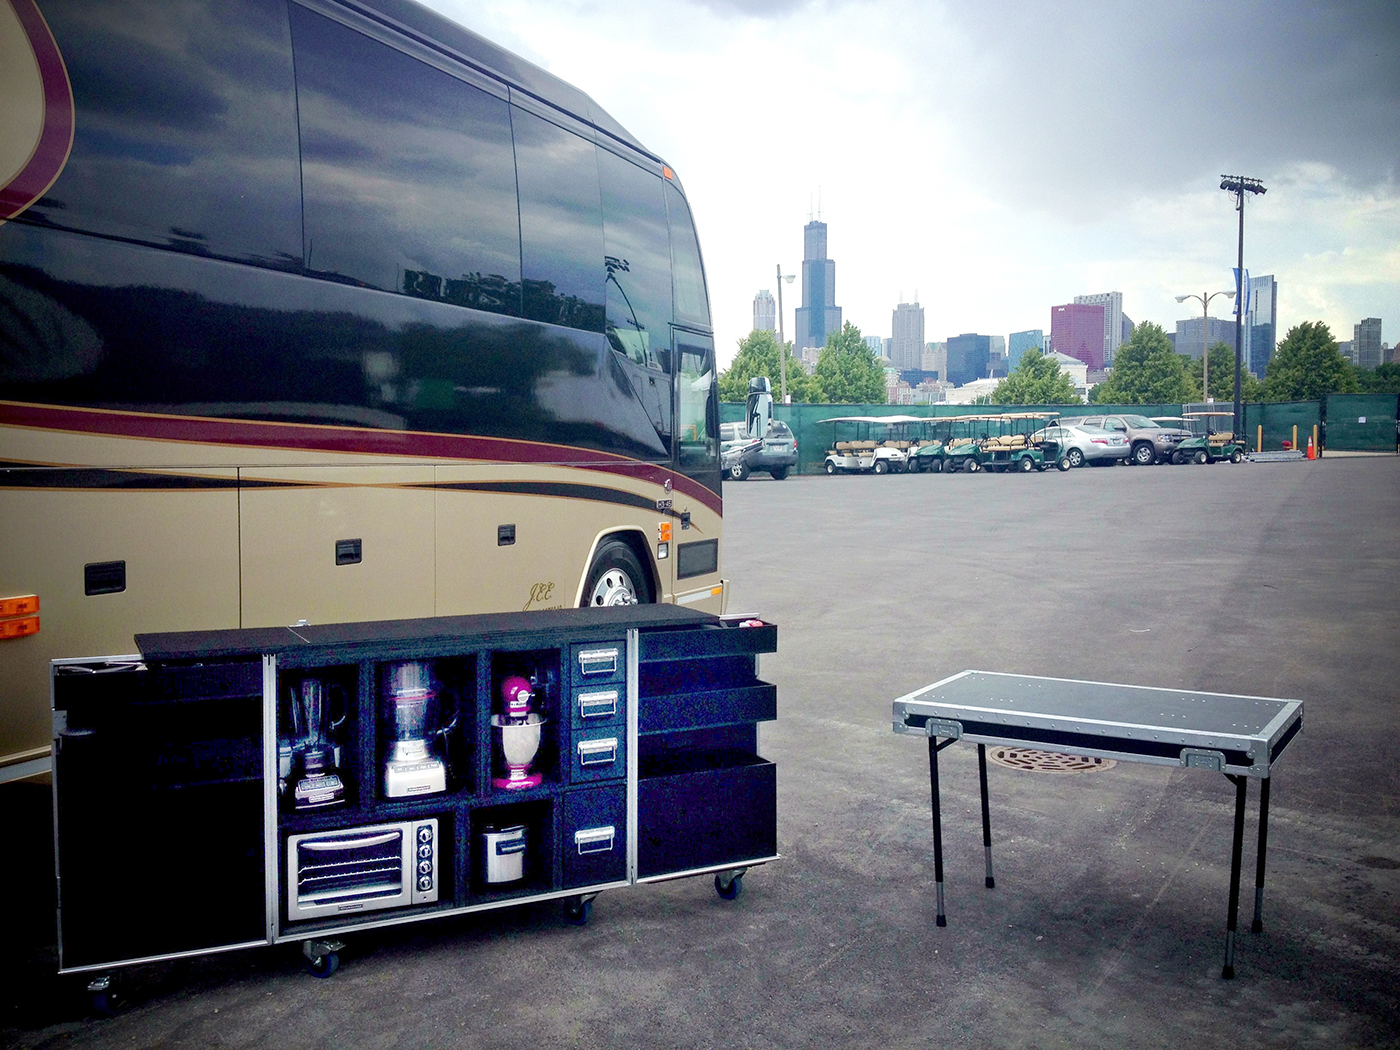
687	271
561	223
407	172
637	260
185	128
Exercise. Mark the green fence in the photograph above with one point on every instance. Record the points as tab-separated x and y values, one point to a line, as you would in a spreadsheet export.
1278	418
814	437
1361	422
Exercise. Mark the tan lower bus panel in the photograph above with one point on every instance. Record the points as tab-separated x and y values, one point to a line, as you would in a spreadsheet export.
180	548
293	517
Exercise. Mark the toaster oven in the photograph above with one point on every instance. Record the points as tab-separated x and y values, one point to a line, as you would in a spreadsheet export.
331	873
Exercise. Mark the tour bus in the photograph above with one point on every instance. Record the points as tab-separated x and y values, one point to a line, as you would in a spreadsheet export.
325	311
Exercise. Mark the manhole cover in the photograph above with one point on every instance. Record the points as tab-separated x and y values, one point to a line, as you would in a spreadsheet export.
1046	761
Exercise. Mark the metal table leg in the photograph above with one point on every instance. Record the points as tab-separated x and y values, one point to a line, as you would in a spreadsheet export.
933	750
1228	972
1263	851
986	814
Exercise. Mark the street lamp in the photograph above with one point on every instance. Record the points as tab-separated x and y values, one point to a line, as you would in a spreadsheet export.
782	343
1205	299
1239	185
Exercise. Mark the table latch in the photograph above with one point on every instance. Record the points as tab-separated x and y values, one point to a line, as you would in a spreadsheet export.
943	727
1195	758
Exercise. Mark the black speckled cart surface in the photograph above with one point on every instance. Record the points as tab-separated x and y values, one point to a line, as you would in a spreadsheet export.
1240	736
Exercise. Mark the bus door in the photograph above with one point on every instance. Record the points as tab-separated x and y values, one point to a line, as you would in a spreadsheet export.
695	563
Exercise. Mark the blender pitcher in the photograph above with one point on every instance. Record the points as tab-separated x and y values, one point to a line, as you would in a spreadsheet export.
409	696
313	776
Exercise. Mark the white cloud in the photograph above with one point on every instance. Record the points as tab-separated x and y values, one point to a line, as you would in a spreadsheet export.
1004	157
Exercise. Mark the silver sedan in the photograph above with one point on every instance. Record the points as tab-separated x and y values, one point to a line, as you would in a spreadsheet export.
1093	445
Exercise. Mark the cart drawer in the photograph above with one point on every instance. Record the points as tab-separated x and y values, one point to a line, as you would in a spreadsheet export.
599	705
701	817
599	754
706	640
596	662
756	702
595	836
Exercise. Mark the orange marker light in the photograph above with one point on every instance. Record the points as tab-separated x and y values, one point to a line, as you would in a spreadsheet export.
667	172
20	605
20	628
663	532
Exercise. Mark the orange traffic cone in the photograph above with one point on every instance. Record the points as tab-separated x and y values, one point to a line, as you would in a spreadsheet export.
1312	452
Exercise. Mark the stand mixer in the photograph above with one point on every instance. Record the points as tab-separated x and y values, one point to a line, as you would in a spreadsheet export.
517	733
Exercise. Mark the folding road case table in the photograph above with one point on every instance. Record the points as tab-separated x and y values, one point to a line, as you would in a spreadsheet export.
1239	736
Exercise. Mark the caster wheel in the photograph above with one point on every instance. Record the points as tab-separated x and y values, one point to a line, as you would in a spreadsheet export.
323	965
731	890
578	911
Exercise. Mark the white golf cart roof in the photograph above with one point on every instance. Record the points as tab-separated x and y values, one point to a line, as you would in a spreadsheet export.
876	419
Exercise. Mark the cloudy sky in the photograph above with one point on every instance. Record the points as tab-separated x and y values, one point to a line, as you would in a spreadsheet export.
999	157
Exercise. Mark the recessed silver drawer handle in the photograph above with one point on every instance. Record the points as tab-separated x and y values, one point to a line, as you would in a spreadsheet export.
594	840
597	705
598	661
597	752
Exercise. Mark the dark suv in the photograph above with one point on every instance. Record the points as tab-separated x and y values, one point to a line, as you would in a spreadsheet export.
1148	442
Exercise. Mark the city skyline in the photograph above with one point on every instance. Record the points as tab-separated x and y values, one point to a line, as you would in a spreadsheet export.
1001	220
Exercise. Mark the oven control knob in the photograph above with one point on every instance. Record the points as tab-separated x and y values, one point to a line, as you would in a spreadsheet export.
425	834
425	851
425	883
425	867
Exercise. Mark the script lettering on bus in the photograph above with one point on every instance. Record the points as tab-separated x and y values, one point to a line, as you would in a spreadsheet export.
539	594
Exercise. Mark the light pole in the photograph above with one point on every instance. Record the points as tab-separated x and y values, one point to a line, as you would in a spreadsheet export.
782	343
1205	298
1239	185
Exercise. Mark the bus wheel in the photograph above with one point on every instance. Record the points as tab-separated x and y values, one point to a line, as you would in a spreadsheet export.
616	577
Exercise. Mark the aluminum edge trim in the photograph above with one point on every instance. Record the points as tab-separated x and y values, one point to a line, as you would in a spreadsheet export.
1126	685
1122	756
1034	720
192	953
53	791
271	865
919	692
709	868
633	762
423	912
1281	721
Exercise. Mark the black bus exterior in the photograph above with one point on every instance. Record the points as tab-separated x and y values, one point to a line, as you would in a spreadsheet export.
330	310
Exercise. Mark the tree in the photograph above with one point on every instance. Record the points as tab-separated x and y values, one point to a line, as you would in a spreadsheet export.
847	373
1222	377
1036	380
1308	366
758	356
1384	379
1147	371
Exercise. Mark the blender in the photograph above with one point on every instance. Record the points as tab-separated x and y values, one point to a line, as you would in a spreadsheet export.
312	776
409	694
517	733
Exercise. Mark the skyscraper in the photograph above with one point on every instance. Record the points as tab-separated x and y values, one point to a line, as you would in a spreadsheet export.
968	357
1220	330
1366	339
1077	329
818	315
1021	342
907	340
765	312
1259	334
1112	303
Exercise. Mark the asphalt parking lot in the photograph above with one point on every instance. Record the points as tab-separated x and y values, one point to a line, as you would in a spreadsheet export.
1106	928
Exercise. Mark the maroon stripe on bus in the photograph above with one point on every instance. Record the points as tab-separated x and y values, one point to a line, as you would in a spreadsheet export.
56	139
341	439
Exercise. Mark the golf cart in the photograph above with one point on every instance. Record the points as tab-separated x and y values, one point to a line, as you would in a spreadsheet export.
1207	445
860	445
1013	447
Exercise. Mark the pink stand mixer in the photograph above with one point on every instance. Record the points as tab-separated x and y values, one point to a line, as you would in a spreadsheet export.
517	733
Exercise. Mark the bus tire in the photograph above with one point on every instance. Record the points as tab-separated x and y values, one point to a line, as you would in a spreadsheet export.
616	577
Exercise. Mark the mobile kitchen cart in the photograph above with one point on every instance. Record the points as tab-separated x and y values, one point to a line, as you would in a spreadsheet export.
174	833
1240	736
